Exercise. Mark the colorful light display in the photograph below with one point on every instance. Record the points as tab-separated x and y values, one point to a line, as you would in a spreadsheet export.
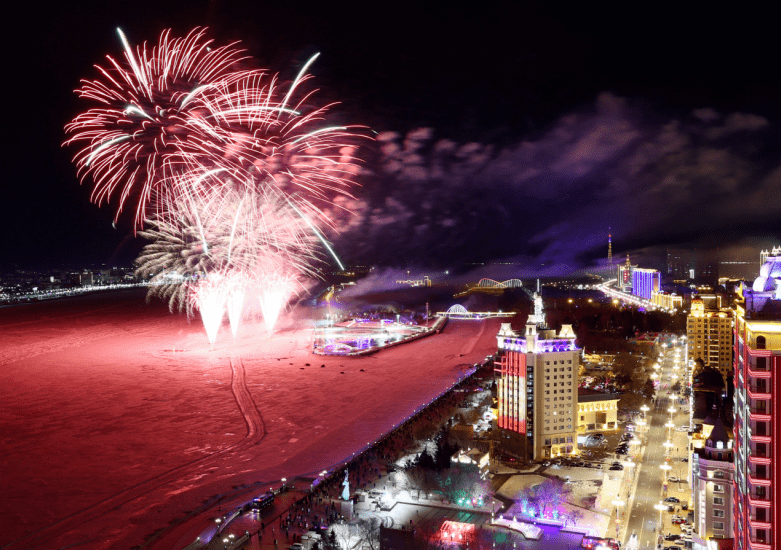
230	173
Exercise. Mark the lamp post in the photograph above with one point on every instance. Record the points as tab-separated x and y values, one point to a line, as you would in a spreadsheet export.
661	507
618	504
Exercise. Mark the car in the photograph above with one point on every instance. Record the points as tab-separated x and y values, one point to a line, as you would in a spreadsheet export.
672	499
671	508
673	479
679	521
621	451
296	546
617	467
672	537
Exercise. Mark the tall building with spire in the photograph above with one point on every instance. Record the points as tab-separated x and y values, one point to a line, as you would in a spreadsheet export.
537	389
609	248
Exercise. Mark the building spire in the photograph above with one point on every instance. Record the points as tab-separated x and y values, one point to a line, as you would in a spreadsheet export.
609	247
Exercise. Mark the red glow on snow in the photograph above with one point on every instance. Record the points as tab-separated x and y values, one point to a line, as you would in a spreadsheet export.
118	419
456	532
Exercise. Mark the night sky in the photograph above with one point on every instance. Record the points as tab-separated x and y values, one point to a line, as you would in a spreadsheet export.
503	132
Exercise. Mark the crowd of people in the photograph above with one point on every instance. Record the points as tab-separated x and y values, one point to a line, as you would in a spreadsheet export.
322	506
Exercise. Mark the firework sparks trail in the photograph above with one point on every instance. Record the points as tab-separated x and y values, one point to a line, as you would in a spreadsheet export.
209	297
207	238
274	295
237	289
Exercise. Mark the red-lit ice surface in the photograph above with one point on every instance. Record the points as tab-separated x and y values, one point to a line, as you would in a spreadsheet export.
117	418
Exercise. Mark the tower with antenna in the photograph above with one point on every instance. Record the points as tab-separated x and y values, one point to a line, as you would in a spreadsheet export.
609	247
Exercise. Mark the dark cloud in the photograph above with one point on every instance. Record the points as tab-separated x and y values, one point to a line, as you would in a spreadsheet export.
656	180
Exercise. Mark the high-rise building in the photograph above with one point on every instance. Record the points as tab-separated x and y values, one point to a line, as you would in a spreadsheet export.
624	275
537	389
709	332
645	282
712	489
757	426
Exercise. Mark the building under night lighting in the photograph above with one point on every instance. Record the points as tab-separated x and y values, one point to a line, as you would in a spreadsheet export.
709	333
537	389
645	282
712	487
757	429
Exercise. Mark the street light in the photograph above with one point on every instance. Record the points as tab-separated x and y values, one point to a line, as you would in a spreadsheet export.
618	503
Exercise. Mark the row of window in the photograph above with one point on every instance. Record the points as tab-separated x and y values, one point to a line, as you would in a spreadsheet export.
557	440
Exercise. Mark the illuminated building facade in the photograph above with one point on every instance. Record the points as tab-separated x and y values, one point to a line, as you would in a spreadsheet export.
624	276
712	488
597	411
764	254
709	333
667	301
645	282
757	426
537	383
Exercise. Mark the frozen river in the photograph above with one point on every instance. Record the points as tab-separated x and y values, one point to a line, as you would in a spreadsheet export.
117	417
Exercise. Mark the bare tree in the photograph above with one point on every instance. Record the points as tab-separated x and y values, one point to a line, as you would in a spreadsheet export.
573	517
368	532
548	494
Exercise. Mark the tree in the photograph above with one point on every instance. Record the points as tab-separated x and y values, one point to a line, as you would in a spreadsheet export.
462	483
368	532
423	477
546	495
573	517
330	542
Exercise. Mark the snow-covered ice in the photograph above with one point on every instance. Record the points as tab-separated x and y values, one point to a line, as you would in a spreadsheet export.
117	417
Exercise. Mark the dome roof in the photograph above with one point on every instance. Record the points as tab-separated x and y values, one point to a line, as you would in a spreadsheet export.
768	273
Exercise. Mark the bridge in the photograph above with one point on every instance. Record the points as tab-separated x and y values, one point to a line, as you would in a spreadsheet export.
458	311
490	285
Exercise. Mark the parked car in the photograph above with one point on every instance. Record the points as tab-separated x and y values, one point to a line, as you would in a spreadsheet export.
672	536
616	467
673	479
672	499
621	451
679	521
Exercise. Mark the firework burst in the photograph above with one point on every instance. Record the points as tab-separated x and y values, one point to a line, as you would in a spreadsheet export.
231	174
179	110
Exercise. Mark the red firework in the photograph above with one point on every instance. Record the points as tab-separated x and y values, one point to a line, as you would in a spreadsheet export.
182	109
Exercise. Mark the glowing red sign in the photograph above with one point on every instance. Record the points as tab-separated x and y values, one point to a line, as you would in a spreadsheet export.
512	393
